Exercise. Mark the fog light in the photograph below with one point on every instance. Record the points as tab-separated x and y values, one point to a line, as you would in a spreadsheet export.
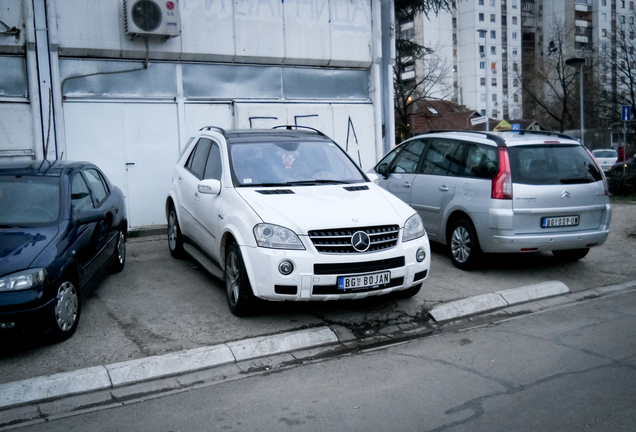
420	255
7	325
286	267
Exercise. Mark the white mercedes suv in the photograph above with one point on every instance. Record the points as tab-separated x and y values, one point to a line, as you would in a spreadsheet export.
285	214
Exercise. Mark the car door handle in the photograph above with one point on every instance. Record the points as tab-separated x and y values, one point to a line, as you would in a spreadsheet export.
443	188
407	185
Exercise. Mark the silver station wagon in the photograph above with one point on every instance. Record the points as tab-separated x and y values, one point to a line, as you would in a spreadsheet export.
501	192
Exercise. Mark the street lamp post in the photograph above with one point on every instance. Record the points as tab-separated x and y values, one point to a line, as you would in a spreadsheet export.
574	62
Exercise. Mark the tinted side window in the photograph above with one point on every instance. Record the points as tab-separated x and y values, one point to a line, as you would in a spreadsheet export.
80	196
213	167
98	184
552	165
196	161
441	154
480	161
408	157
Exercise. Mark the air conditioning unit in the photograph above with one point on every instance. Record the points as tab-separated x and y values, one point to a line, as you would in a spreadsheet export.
152	18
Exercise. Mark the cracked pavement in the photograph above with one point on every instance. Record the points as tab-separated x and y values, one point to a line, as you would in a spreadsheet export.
159	305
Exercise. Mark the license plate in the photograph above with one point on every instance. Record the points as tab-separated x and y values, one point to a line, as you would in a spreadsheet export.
561	221
364	281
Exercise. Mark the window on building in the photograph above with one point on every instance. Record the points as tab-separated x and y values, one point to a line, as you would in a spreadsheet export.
622	19
482	49
514	4
482	65
514	35
631	35
604	32
493	34
481	2
483	112
514	52
515	67
483	97
515	82
482	33
603	2
514	20
604	17
482	81
515	97
493	66
481	17
493	50
494	113
454	22
492	2
623	4
492	18
493	82
494	97
408	34
631	5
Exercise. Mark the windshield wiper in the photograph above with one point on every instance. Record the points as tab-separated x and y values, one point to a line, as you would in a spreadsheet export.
576	180
297	183
316	181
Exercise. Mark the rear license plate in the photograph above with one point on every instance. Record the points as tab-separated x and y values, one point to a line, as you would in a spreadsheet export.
561	221
364	281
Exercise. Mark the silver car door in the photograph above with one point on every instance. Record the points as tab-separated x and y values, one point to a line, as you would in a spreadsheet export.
402	170
434	186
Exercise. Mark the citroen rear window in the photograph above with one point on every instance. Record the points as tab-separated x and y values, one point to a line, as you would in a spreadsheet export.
554	164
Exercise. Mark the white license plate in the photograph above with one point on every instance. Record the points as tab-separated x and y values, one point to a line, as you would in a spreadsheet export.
364	281
561	221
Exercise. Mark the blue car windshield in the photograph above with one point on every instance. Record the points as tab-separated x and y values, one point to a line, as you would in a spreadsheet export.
29	200
291	163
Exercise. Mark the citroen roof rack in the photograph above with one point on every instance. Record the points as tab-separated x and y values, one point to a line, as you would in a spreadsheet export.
496	138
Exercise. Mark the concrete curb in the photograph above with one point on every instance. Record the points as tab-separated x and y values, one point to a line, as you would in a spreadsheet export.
497	300
35	399
150	368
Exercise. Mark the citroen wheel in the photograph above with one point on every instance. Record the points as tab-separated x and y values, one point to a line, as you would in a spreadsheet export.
463	243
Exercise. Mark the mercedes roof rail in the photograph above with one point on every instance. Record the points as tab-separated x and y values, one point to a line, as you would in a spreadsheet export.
290	127
215	128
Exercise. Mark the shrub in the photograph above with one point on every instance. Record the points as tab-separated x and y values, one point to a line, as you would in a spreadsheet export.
622	184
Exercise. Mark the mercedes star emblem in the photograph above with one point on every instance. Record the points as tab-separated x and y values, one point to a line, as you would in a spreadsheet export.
360	241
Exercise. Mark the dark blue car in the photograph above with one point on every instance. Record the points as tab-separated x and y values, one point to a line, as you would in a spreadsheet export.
62	225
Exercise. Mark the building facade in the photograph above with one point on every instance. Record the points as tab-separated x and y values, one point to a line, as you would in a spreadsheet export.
78	81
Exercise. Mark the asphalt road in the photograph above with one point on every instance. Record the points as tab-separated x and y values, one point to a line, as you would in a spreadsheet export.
158	304
567	369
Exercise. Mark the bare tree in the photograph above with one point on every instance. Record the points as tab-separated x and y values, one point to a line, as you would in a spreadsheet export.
553	87
615	72
430	82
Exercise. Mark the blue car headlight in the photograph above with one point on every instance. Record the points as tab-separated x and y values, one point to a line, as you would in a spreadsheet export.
276	237
413	228
23	280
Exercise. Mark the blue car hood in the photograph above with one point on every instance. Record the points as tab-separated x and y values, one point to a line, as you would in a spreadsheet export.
19	247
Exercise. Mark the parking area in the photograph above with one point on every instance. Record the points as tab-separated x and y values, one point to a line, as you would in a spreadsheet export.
158	304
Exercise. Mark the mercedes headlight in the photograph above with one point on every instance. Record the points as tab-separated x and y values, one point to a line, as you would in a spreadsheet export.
276	237
413	228
24	280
